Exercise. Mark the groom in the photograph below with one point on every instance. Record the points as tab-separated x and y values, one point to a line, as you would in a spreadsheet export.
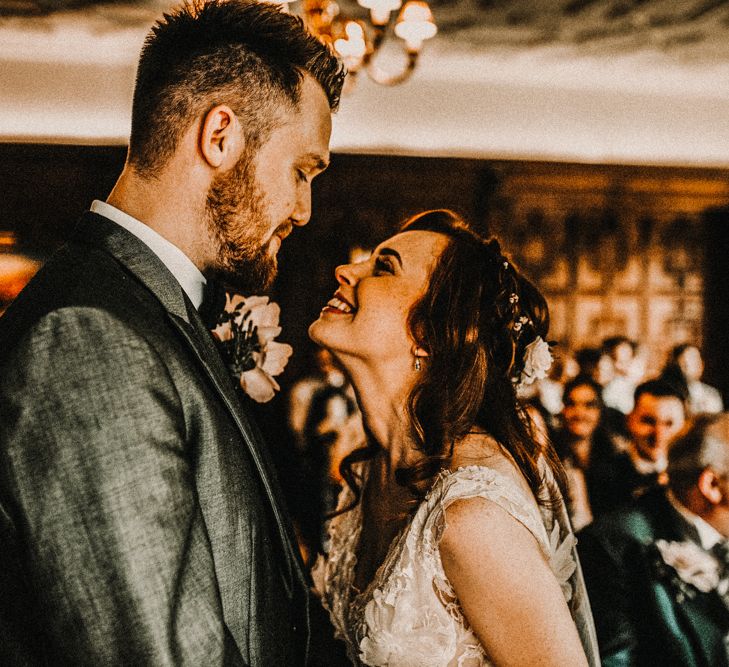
140	520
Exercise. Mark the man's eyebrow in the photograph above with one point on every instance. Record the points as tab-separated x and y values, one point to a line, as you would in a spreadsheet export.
392	253
316	160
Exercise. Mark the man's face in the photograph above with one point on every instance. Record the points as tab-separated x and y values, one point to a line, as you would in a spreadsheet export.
655	420
254	206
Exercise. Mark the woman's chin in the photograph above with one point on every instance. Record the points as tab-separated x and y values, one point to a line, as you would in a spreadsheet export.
314	331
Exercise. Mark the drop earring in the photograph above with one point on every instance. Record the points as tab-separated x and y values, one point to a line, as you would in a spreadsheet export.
418	364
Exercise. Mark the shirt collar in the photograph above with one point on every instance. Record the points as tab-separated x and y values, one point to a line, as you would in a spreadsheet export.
644	467
708	535
178	263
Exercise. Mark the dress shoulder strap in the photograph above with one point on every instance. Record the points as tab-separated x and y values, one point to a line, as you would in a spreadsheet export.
480	482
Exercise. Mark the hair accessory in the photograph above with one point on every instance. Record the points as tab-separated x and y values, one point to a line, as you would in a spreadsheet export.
537	360
514	298
418	364
517	326
506	264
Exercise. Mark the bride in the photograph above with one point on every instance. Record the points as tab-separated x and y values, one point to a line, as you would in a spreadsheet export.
452	545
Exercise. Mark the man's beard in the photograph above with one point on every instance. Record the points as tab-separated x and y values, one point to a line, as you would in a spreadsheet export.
239	227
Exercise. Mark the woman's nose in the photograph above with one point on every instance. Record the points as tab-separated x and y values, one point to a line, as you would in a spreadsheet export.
346	274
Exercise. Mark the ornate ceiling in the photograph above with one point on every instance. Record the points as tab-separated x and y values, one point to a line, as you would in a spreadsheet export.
630	81
692	29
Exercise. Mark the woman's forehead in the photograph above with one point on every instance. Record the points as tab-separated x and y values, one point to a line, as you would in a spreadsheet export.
417	246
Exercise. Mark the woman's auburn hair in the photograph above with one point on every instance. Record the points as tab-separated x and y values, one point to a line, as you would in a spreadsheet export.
466	322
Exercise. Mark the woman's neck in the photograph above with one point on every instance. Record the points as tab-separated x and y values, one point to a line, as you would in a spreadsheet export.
581	450
383	403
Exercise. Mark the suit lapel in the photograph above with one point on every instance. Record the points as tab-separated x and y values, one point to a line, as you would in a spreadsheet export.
201	342
150	270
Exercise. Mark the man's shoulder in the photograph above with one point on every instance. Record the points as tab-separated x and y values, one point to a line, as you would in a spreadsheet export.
76	278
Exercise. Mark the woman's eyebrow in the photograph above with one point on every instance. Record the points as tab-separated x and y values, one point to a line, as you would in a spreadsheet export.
392	253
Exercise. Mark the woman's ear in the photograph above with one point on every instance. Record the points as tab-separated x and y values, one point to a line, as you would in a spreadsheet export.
221	138
420	352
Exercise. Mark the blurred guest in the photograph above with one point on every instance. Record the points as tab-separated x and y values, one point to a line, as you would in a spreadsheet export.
550	389
582	442
326	374
656	571
618	392
640	461
593	361
685	367
333	429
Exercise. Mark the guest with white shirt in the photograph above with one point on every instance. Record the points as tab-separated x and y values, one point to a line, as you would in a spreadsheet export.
685	367
656	570
639	461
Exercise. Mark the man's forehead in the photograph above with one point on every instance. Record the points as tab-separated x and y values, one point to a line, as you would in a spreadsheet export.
719	429
652	403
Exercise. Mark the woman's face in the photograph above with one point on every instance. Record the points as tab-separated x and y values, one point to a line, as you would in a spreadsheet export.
367	316
581	412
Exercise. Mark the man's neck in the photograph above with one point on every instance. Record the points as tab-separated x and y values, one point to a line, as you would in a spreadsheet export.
166	207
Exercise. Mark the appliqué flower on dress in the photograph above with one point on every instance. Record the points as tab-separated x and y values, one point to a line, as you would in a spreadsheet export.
537	360
691	563
246	331
561	560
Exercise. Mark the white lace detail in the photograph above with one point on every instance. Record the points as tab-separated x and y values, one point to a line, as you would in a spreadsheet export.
408	616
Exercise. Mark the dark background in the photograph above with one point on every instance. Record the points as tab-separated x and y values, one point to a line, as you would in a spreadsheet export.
560	209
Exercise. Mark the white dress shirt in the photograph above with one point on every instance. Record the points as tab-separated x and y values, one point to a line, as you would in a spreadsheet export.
179	264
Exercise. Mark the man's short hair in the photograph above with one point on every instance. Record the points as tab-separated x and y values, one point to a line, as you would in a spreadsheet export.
704	444
609	345
249	55
659	388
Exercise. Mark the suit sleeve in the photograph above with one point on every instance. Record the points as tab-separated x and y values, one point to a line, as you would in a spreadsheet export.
102	489
609	596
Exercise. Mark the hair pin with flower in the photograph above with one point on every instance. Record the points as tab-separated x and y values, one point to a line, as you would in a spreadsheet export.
245	332
537	361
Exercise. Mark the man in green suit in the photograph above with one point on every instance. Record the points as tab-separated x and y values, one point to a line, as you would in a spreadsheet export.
656	571
141	522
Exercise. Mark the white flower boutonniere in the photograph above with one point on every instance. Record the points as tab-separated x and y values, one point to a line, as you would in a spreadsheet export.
246	331
537	360
691	563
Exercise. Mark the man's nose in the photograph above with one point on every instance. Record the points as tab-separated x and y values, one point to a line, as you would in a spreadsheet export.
302	211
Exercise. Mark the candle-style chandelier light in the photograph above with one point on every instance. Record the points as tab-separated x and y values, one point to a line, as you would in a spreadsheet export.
358	43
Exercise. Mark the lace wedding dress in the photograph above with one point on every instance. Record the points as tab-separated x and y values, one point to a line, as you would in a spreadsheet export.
408	616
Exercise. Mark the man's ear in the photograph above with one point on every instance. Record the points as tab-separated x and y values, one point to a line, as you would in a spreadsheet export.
221	138
709	486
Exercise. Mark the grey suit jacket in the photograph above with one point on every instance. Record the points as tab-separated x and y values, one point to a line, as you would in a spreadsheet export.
140	519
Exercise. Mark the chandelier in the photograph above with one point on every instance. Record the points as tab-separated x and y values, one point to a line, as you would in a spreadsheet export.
358	43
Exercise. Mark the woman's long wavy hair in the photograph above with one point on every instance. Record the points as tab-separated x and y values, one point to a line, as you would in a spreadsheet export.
475	320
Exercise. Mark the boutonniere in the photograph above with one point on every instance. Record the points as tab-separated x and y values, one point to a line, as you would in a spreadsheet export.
245	333
696	568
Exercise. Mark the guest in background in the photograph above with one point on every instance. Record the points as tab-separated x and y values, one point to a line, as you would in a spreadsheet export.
550	390
326	373
640	461
618	392
593	361
597	364
333	429
684	368
582	442
656	571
